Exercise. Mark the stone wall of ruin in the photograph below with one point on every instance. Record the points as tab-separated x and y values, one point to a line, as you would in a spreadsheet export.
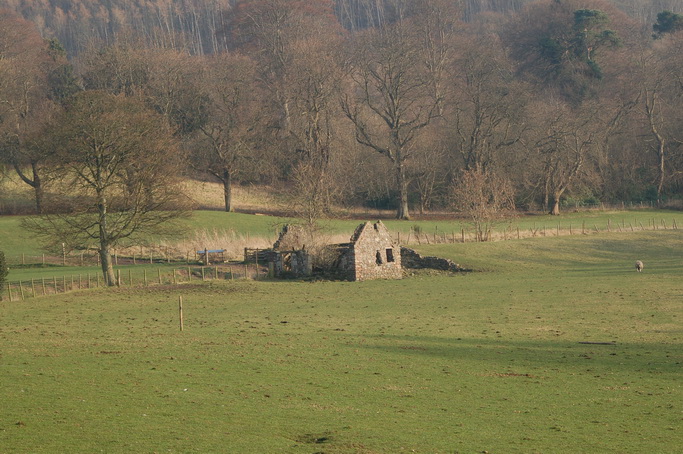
411	259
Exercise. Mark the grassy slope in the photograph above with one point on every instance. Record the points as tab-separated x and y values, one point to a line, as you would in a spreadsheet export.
485	361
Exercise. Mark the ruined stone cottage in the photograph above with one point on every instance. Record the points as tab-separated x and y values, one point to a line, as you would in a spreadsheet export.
371	254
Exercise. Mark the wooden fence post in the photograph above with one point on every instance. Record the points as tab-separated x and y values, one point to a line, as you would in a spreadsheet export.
256	263
180	311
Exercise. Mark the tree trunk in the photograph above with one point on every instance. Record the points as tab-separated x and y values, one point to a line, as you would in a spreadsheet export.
105	243
546	195
402	183
661	169
227	190
107	266
35	183
38	193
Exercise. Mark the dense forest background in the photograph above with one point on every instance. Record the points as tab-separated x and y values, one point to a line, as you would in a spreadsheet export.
411	105
198	23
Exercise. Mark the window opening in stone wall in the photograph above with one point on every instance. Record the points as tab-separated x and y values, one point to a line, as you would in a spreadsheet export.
390	255
378	258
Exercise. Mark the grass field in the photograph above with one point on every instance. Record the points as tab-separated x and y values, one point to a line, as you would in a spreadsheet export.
552	345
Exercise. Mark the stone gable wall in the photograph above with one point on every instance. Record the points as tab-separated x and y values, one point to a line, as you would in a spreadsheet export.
372	255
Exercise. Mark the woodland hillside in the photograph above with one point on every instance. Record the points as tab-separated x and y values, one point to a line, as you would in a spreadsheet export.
477	106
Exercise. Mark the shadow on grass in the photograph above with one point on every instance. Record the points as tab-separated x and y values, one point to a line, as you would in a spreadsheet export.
652	358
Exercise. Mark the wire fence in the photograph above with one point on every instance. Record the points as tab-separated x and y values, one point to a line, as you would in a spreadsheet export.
20	290
415	236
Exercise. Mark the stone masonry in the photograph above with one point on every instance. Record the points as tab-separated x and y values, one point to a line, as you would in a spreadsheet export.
371	254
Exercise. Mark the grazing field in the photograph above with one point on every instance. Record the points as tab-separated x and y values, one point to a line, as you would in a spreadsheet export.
551	345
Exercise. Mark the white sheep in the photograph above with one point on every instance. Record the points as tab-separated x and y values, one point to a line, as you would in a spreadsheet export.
639	266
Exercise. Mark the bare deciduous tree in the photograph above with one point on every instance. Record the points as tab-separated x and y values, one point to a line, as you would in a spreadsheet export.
228	135
566	142
25	102
391	100
661	94
120	162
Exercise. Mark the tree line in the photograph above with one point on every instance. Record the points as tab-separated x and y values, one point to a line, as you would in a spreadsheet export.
394	104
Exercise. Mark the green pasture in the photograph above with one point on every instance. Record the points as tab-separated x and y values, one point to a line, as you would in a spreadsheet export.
551	345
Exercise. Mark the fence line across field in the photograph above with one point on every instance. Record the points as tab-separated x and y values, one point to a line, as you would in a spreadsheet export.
24	289
416	235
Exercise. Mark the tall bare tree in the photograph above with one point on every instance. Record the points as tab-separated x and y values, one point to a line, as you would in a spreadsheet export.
487	105
661	83
391	98
26	104
565	144
119	160
233	120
